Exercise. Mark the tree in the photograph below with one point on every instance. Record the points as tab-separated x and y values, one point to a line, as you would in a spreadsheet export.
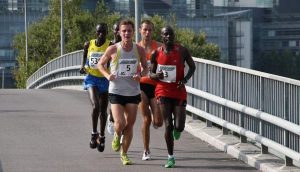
282	63
44	35
79	27
195	43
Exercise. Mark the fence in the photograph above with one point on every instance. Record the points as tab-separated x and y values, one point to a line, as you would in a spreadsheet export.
258	106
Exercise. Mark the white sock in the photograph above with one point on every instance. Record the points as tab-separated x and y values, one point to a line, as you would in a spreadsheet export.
170	156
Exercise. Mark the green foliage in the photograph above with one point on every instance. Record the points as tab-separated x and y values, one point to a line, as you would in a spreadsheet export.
282	63
79	27
195	43
44	36
158	22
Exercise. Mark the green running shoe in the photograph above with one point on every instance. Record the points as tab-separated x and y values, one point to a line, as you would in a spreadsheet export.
125	160
116	143
170	163
176	134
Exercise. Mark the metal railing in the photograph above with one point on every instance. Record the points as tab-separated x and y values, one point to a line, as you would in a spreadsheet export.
258	106
58	72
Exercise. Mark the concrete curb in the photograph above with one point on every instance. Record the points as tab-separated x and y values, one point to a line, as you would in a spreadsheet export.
246	152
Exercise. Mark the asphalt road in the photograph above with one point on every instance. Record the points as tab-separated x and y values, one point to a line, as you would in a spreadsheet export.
49	131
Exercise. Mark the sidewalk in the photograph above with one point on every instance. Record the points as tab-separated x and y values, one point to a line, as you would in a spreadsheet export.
246	152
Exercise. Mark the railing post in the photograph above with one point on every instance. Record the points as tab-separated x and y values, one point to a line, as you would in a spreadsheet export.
208	123
225	131
243	139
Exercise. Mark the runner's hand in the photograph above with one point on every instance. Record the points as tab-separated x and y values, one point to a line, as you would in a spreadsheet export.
182	83
137	77
82	70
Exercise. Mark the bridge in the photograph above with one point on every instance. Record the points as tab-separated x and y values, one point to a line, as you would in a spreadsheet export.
250	115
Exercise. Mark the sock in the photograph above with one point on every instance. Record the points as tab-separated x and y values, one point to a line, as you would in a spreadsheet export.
170	156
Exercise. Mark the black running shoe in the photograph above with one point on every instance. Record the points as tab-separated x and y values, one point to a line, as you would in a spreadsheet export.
94	140
101	145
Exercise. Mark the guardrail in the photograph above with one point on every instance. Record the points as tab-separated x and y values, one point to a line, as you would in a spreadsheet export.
58	72
258	106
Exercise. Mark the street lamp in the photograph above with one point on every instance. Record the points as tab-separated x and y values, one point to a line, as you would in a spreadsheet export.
2	68
137	6
62	37
26	34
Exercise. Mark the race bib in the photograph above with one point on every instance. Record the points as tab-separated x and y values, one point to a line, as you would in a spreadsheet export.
127	67
94	58
169	72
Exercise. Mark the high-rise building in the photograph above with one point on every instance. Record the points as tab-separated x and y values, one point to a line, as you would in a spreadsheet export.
12	21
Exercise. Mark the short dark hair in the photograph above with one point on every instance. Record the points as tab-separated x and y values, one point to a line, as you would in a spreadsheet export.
146	21
104	25
127	22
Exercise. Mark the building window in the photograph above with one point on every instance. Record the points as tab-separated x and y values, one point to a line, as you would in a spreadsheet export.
271	33
12	5
292	43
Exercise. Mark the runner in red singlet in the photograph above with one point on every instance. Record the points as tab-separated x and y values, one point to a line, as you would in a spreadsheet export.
167	67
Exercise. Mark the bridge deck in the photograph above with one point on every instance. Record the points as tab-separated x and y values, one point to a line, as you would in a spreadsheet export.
49	130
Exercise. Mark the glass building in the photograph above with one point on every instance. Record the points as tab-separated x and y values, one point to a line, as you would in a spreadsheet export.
12	21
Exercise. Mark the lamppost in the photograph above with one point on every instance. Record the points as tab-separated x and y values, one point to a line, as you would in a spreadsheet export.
137	6
26	34
62	37
2	68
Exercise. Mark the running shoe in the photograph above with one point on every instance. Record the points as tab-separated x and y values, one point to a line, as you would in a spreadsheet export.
94	140
170	163
116	143
110	125
176	134
101	144
125	160
146	156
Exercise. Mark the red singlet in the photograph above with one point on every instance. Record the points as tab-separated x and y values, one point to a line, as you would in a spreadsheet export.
146	79
173	70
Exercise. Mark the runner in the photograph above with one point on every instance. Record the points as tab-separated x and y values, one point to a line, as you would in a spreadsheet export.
96	84
124	85
167	67
147	89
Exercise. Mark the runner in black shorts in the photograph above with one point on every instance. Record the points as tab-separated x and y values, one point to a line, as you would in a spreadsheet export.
149	108
123	100
148	89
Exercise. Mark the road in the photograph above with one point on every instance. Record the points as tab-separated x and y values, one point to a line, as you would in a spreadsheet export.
49	131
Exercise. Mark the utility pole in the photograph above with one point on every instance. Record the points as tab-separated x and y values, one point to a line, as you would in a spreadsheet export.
26	35
137	19
3	68
61	27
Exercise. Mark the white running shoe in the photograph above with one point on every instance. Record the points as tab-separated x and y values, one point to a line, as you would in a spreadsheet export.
146	156
110	126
